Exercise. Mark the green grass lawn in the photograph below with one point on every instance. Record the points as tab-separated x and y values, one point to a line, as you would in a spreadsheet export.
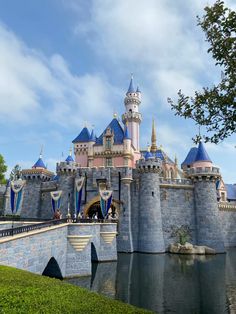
24	292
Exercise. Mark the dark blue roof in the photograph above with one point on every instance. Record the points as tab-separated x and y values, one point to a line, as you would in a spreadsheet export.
148	155
117	130
39	164
126	133
231	191
201	153
162	155
83	136
159	154
190	158
92	137
69	158
131	86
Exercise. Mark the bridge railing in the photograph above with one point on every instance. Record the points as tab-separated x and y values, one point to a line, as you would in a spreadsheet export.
13	231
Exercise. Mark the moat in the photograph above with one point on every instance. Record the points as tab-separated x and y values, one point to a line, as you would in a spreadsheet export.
166	283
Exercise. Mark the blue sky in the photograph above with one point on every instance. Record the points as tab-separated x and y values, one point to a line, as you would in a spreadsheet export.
65	63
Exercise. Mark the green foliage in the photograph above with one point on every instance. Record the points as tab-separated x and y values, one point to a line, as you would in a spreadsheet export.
15	173
24	292
3	169
183	233
215	107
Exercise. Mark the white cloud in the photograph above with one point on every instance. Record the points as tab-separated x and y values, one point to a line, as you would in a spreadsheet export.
34	88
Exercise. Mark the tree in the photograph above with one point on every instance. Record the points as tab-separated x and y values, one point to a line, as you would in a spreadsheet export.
15	173
3	169
215	107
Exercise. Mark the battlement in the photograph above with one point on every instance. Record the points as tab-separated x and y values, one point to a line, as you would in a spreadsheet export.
132	116
133	98
67	167
164	181
37	174
149	165
199	173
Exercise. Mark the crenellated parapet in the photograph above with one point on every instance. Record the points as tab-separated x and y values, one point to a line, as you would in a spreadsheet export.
203	173
37	174
150	165
67	168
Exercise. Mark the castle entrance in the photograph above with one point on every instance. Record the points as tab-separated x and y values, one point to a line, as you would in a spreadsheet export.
93	208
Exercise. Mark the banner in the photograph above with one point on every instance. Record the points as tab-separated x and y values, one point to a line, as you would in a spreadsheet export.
78	193
56	200
105	201
16	194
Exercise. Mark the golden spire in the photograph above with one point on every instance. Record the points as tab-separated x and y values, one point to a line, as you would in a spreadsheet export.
154	138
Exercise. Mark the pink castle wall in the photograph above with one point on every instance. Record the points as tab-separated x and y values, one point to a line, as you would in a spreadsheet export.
82	160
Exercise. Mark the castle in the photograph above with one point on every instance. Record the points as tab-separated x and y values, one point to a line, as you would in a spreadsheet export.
151	194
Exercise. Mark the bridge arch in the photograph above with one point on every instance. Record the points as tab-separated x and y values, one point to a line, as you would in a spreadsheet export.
52	269
94	204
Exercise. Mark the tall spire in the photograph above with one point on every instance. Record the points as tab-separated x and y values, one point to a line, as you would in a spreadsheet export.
131	88
154	138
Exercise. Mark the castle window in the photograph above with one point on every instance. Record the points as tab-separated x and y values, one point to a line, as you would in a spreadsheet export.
108	143
152	194
108	162
222	197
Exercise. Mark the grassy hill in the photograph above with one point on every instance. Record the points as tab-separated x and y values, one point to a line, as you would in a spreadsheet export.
24	292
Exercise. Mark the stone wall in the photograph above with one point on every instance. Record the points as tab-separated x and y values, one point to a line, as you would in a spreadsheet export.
177	207
228	225
32	251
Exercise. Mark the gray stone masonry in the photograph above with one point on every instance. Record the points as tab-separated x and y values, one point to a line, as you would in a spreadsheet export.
32	251
31	203
150	219
209	230
125	241
177	207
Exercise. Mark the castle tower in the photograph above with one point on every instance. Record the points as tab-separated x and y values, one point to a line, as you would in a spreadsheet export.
150	238
92	141
81	143
132	115
34	177
66	171
204	176
153	138
127	147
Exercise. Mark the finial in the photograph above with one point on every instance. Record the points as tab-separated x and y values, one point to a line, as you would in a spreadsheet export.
154	137
132	76
176	160
85	124
70	151
115	115
41	152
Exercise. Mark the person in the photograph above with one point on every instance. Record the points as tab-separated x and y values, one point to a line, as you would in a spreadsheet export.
95	216
79	216
57	214
68	216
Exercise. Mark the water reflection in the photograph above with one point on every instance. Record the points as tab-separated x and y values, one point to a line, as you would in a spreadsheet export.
167	283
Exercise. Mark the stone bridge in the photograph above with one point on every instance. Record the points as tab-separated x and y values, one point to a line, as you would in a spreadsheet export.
64	250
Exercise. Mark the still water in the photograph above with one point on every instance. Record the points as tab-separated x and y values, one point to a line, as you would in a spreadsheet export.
167	283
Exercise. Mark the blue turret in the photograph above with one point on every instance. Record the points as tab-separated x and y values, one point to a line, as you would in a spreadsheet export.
131	88
39	163
201	154
92	137
83	137
126	133
69	158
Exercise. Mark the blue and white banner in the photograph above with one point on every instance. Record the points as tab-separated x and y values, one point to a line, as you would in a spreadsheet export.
78	193
16	195
105	201
56	200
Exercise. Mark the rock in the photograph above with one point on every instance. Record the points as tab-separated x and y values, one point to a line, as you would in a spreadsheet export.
198	249
188	248
209	250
